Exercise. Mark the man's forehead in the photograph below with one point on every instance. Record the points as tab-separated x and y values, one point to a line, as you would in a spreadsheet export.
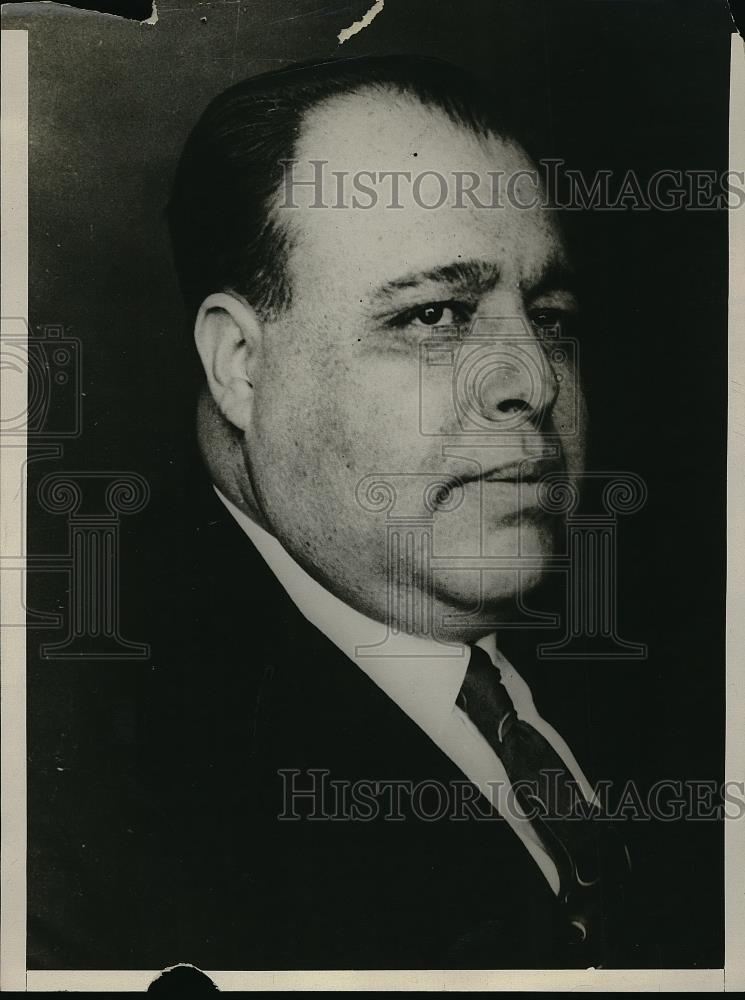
352	238
378	129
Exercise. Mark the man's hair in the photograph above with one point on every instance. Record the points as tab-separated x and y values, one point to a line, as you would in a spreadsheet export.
221	216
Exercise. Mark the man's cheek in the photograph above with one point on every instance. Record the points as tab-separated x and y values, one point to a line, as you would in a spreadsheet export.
366	431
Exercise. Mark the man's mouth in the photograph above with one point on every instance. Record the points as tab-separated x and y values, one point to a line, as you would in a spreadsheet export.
525	470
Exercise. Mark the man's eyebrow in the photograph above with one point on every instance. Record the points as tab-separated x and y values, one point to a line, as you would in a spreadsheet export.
481	276
477	276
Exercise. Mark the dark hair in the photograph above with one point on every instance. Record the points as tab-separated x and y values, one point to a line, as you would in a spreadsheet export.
222	225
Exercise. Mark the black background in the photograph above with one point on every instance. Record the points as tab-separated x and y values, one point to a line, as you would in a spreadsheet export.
603	84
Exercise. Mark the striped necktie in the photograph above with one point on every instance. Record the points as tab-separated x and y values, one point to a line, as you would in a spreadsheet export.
591	860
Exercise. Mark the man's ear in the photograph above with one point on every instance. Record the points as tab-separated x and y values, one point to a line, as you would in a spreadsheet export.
228	335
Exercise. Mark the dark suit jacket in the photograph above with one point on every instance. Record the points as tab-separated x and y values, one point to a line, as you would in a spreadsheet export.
164	844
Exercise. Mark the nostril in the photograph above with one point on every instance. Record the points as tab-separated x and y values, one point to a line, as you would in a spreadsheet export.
510	406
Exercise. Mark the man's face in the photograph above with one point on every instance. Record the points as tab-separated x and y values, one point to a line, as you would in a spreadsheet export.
407	381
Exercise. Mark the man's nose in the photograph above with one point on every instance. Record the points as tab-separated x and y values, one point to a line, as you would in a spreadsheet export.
511	382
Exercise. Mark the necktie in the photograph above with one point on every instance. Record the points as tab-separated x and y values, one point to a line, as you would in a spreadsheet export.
591	860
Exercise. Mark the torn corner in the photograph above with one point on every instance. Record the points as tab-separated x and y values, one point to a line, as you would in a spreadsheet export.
354	29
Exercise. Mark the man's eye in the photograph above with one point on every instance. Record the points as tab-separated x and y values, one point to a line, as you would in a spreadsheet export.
435	314
432	315
548	320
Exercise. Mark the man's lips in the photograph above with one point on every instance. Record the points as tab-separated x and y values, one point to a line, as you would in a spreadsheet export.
525	470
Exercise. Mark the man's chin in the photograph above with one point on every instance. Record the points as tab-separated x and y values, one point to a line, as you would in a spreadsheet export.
487	590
